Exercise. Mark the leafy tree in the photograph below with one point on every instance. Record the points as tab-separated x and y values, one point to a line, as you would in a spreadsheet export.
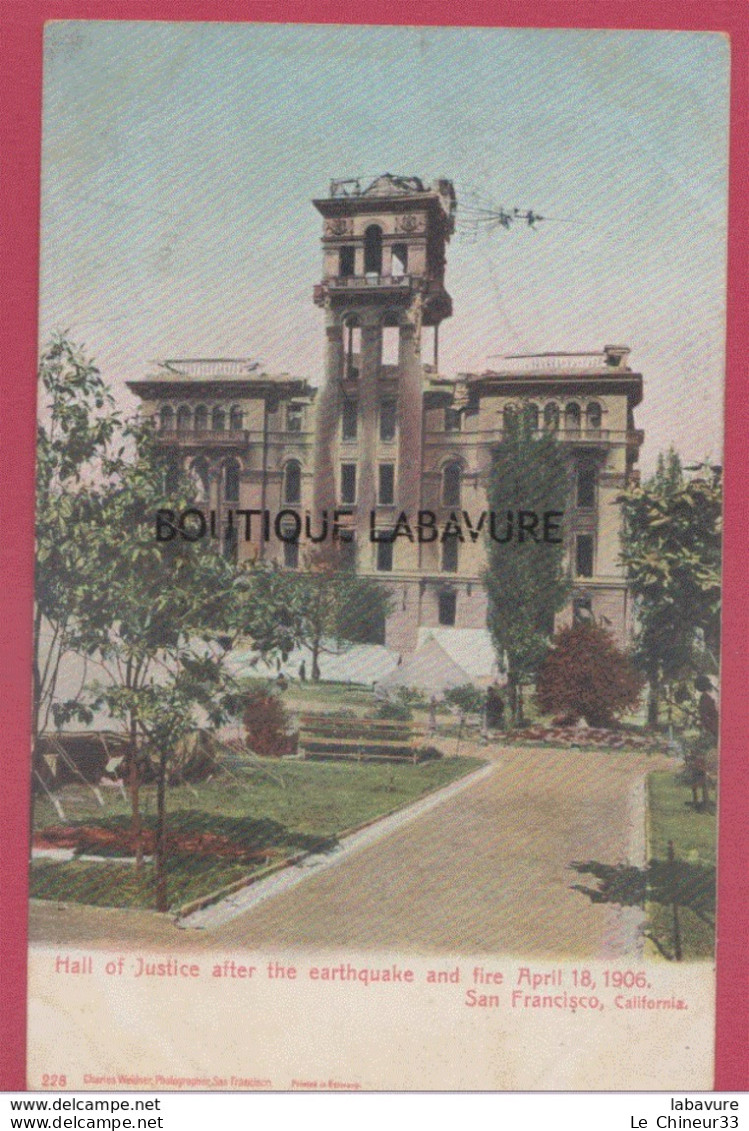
467	698
585	674
671	549
319	604
76	455
525	578
161	616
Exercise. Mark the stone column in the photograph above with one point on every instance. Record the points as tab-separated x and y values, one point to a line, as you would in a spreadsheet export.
409	418
366	494
326	422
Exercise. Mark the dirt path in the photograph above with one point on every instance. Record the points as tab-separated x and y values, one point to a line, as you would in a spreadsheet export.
485	871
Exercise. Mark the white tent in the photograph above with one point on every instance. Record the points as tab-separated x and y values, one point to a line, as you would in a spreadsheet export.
429	669
471	649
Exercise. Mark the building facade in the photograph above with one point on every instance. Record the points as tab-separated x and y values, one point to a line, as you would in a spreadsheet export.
387	445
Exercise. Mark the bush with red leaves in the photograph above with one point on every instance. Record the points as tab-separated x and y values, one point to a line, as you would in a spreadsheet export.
266	724
586	675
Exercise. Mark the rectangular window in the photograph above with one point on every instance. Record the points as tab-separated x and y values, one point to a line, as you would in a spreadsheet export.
453	420
450	555
349	419
388	416
348	553
348	483
582	610
386	484
230	544
446	608
400	259
291	554
584	555
451	485
346	261
385	557
390	344
294	414
586	487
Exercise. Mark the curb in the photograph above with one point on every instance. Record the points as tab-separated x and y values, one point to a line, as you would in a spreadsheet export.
218	895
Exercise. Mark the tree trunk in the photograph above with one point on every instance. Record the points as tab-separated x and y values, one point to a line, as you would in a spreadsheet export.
315	661
512	697
162	901
134	787
654	698
36	704
519	701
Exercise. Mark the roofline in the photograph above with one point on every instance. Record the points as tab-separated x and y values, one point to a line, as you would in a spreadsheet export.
159	386
606	381
343	205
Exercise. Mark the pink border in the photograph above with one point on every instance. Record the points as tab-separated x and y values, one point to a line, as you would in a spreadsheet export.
20	126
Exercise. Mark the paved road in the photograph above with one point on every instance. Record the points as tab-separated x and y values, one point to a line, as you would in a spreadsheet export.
485	871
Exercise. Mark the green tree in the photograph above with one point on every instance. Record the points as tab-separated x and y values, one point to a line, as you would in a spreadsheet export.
161	616
76	456
525	578
671	549
468	699
319	607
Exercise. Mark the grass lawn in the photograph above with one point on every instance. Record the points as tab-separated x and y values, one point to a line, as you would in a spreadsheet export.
328	696
270	811
672	817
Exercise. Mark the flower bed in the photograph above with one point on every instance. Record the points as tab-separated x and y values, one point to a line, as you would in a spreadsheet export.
587	736
91	840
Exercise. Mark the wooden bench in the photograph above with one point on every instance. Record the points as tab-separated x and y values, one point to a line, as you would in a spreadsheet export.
370	740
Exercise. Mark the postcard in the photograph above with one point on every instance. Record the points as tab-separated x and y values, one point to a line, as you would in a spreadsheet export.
377	709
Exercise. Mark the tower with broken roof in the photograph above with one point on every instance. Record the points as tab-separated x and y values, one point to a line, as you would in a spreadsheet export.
382	291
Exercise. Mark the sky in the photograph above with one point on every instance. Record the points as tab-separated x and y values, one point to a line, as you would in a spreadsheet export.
180	161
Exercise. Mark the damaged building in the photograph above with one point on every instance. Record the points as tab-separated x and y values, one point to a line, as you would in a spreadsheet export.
387	435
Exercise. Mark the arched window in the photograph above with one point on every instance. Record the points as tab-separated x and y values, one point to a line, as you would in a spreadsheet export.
530	412
551	417
572	417
231	481
199	479
184	418
201	418
593	417
508	417
451	475
166	418
373	250
235	418
292	482
218	419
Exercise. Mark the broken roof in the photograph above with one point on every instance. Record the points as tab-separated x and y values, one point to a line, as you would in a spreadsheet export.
241	372
348	196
